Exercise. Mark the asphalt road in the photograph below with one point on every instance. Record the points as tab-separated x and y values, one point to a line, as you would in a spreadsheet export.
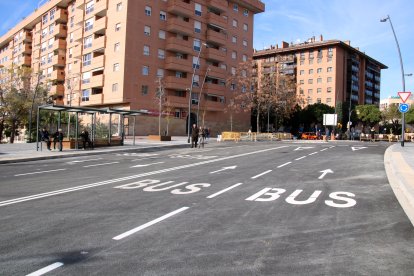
228	209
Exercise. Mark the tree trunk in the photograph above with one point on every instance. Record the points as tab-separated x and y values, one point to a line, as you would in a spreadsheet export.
258	121
1	130
231	122
13	132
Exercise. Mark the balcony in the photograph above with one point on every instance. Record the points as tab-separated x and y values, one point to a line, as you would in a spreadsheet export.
95	99
98	62
216	37
58	61
177	64
61	16
78	35
177	25
27	61
217	72
27	37
60	31
172	82
217	4
59	44
27	49
101	8
217	20
179	45
80	4
214	89
98	44
214	54
58	75
255	6
100	25
97	81
179	7
57	89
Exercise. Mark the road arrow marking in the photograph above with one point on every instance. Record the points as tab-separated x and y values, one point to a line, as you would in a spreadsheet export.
357	148
325	172
225	168
146	165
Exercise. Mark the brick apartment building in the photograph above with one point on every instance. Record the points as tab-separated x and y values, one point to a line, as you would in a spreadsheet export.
110	53
328	72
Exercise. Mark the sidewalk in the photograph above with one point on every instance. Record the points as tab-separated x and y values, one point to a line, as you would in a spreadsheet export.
23	152
399	165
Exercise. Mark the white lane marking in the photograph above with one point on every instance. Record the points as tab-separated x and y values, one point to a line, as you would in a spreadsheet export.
102	164
302	148
331	147
139	228
287	163
81	161
313	153
106	182
225	168
46	269
357	148
300	158
225	190
263	173
146	165
323	149
40	172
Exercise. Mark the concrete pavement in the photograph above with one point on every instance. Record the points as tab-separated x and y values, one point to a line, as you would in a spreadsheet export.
398	161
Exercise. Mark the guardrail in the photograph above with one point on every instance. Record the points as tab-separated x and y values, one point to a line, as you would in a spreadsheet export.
253	136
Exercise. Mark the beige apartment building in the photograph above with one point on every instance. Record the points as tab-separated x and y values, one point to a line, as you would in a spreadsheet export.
328	72
115	53
395	100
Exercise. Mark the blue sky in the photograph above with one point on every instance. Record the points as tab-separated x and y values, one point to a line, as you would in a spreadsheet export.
294	21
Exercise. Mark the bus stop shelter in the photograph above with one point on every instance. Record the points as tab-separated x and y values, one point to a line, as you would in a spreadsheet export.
93	112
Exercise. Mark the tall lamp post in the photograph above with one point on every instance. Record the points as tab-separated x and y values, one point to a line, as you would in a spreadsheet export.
201	91
388	18
349	109
191	90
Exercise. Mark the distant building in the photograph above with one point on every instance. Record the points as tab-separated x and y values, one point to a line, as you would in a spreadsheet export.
385	103
328	72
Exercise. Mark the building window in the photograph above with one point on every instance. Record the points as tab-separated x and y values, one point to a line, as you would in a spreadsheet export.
88	24
161	34
235	23
329	90
319	80
329	79
89	7
116	67
177	113
235	7
302	62
116	47
319	60
197	45
148	11
70	52
163	15
234	39
146	50
44	19
161	54
197	9
318	100
86	77
302	82
87	42
311	61
117	27
87	59
119	6
310	71
85	95
246	12
329	69
319	90
147	30
244	57
233	71
145	70
51	29
160	73
301	91
310	91
329	100
114	87
319	70
144	90
196	63
197	26
302	72
245	27
234	55
310	81
244	43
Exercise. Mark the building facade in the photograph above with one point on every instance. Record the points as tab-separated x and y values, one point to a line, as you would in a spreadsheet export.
329	72
119	53
395	100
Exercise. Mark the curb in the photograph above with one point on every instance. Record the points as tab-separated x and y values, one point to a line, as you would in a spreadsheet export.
97	152
399	173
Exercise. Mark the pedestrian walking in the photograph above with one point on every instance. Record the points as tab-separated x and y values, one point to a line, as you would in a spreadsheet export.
58	138
194	136
201	137
45	137
372	134
85	139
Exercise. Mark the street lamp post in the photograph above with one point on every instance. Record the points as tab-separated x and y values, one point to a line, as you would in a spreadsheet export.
201	91
349	109
31	108
402	74
191	90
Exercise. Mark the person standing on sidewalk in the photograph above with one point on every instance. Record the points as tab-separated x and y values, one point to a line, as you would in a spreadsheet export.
201	137
85	139
58	138
194	136
45	137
